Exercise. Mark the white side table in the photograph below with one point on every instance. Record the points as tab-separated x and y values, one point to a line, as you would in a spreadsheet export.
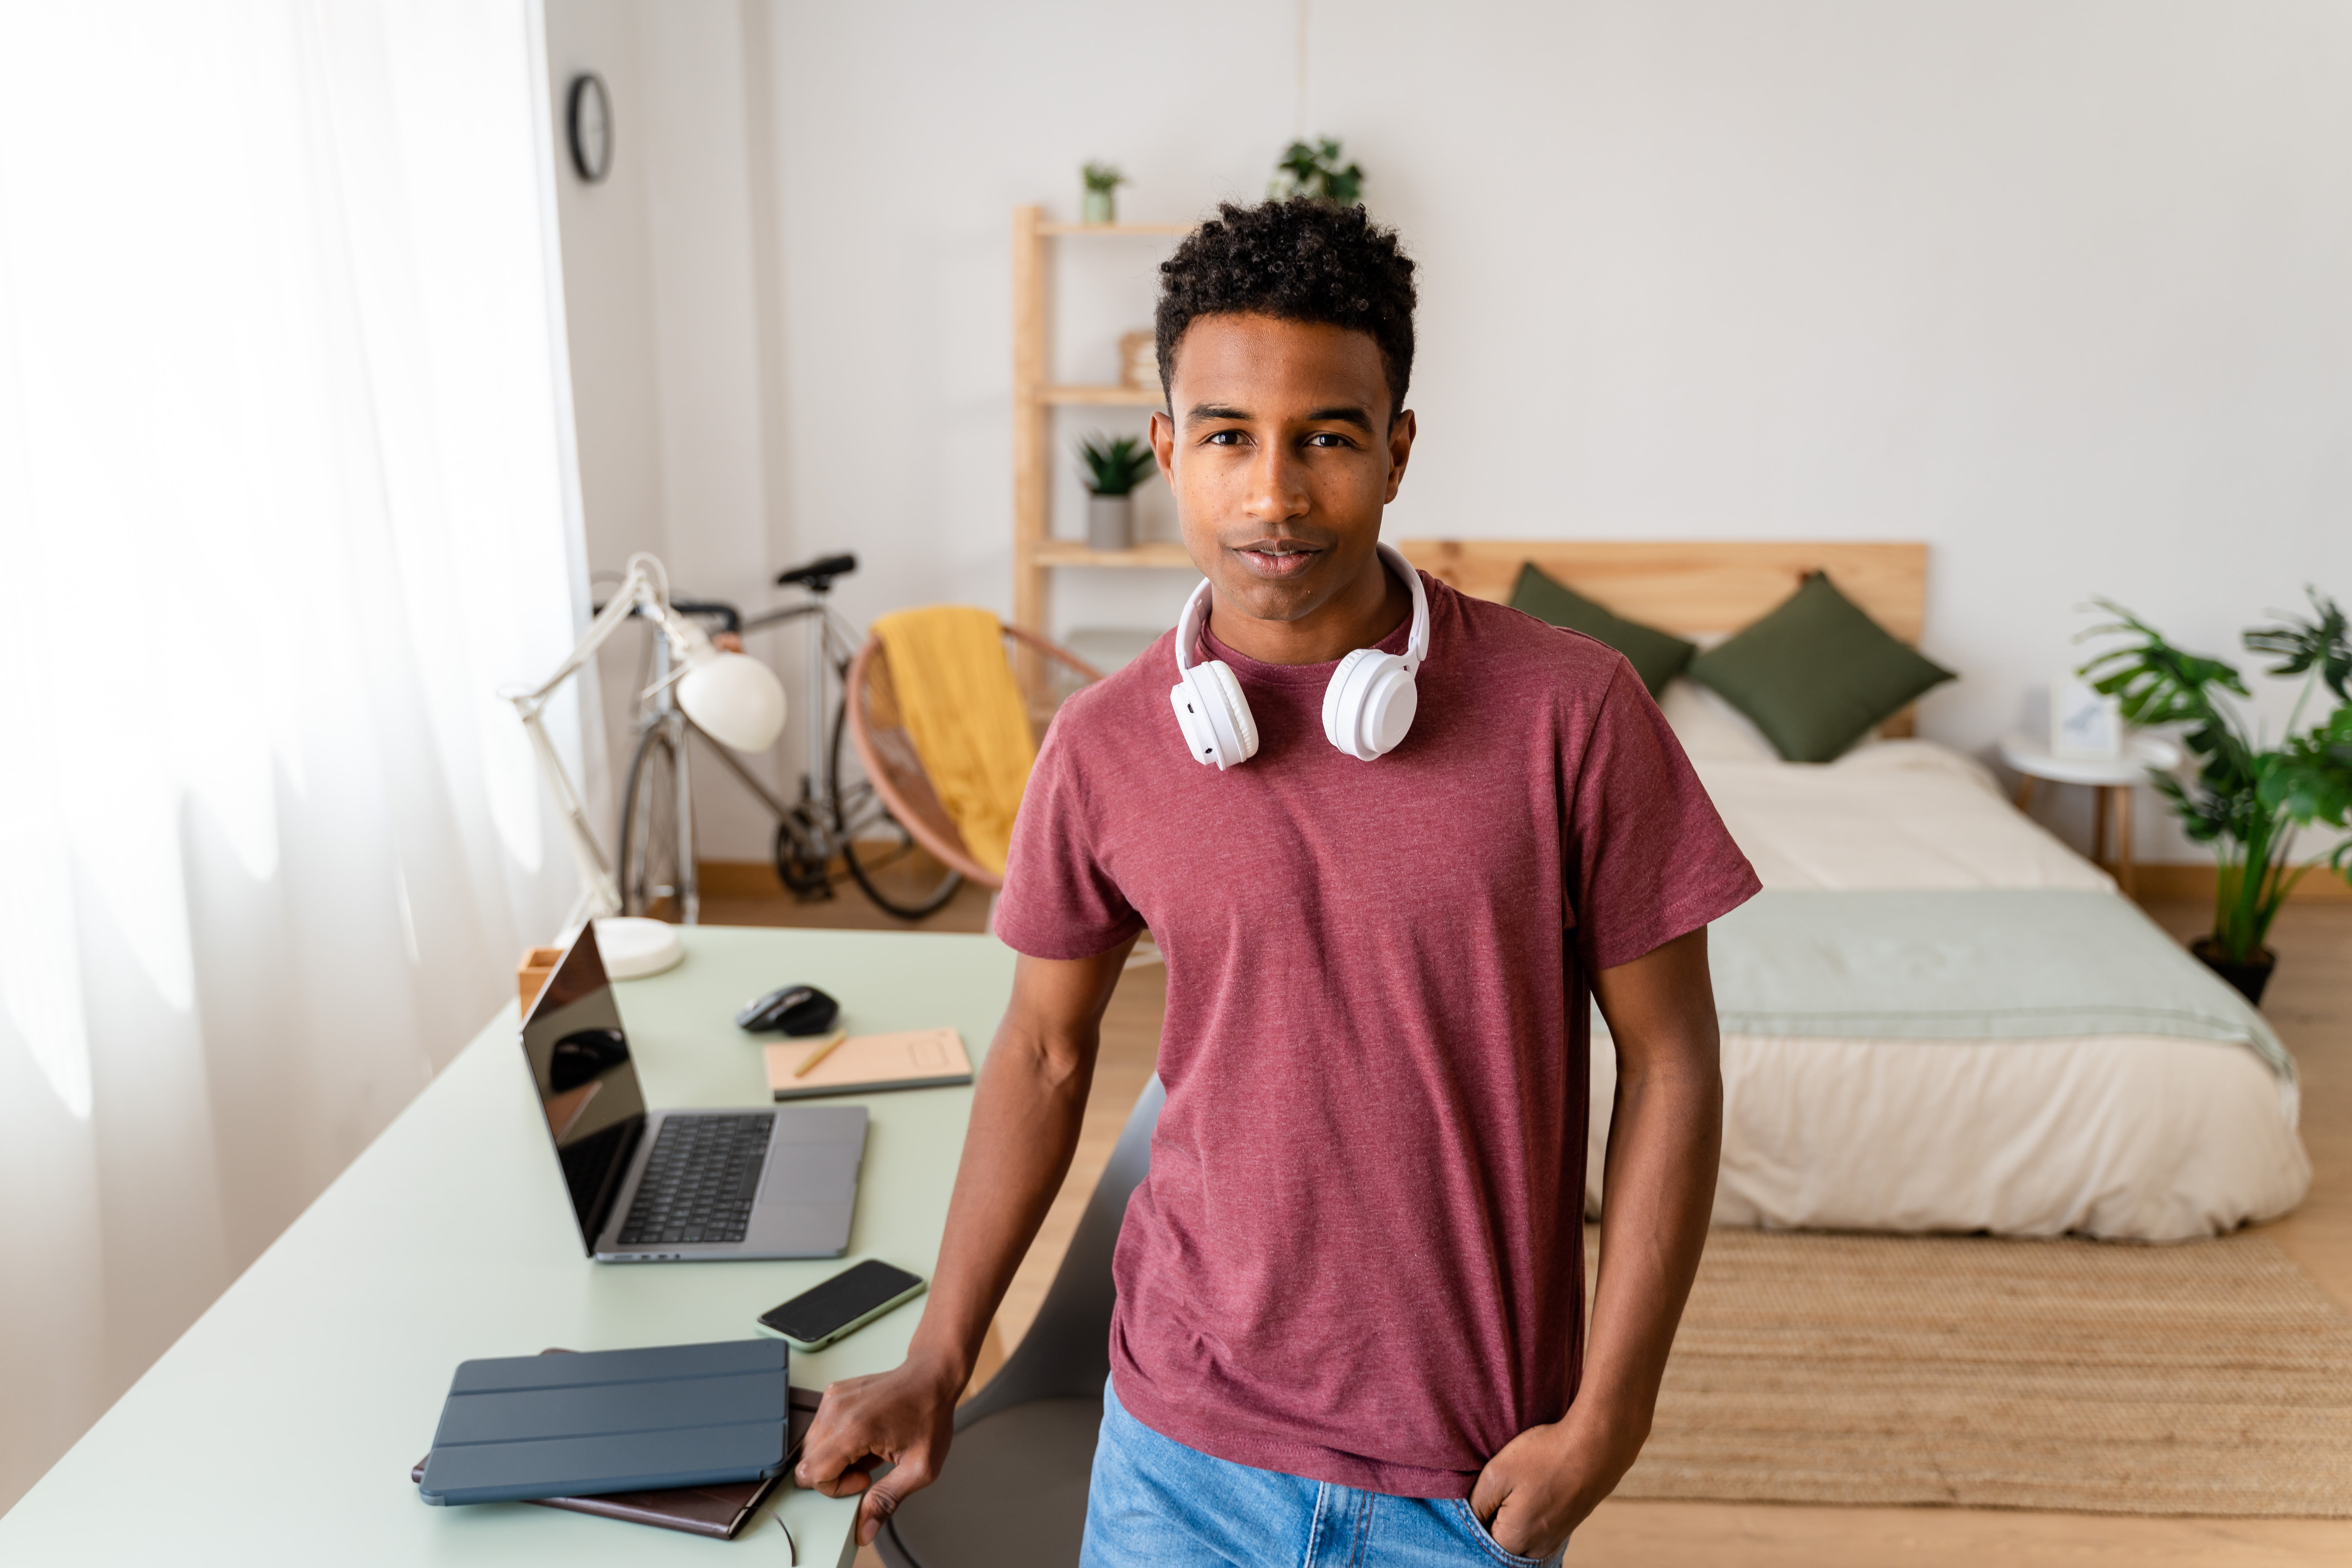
2113	777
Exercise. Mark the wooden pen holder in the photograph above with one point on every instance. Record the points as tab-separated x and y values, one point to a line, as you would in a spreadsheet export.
530	974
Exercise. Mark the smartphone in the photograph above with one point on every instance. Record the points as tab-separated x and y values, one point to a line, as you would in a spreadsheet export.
843	1304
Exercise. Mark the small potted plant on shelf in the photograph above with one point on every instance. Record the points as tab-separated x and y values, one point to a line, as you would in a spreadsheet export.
1102	181
1113	467
2245	799
1316	173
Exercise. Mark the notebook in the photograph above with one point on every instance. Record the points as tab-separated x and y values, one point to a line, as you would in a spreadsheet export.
720	1509
919	1059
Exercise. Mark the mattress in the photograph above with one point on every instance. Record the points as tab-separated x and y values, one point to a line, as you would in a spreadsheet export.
2127	1136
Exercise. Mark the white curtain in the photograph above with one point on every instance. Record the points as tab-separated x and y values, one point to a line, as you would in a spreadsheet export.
286	493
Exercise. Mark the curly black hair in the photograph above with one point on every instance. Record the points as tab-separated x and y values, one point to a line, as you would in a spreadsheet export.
1296	260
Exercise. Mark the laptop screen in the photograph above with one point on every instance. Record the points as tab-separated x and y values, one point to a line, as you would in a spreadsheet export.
587	1085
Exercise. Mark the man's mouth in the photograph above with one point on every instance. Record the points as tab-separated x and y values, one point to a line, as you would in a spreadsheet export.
1278	557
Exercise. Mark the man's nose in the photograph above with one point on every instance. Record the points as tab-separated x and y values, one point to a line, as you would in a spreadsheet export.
1277	489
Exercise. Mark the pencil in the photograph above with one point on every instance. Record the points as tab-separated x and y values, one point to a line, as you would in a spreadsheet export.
823	1049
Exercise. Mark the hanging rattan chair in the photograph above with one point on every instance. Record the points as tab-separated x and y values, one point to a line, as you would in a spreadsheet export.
1045	674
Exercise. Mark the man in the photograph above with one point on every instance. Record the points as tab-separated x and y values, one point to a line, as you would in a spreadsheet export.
1349	1289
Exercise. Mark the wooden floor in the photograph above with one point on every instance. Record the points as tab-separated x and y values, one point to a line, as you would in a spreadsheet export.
2310	1002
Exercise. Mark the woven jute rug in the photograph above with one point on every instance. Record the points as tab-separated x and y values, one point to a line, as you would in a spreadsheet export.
2208	1378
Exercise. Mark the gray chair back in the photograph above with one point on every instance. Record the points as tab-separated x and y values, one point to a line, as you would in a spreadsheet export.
1065	1354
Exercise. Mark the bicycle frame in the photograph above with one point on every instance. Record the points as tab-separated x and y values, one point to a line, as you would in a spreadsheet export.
820	824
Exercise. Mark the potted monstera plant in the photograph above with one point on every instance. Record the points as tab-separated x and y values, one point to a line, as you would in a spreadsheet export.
2246	798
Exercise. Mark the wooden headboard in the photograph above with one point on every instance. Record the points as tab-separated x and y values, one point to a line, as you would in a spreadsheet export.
1692	589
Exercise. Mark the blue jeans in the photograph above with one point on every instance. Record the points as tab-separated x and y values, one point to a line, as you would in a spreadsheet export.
1155	1503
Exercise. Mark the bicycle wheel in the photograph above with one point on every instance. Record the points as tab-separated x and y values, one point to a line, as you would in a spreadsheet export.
650	877
898	874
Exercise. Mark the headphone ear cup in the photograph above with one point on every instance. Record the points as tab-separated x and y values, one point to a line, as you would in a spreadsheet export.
1338	715
1214	716
1193	718
1391	701
1370	704
1236	713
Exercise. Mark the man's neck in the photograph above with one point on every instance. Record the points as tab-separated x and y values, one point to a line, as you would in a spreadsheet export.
1359	616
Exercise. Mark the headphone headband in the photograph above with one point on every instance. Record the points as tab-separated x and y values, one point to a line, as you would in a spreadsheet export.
1416	642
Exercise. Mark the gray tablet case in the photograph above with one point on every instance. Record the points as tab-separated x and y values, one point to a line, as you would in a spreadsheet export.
522	1428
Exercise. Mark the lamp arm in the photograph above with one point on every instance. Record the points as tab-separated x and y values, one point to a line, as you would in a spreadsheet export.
600	895
647	584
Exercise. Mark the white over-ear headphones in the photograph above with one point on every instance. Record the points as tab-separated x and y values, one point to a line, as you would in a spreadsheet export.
1367	708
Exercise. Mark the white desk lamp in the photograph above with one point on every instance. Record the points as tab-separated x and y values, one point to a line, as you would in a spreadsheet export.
735	700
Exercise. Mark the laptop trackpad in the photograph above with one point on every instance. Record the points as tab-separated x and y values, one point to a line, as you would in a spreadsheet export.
810	1174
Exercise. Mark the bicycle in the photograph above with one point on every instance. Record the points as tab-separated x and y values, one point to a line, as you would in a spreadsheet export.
836	819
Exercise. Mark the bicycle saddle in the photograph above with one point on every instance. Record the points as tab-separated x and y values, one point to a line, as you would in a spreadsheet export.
794	1009
818	574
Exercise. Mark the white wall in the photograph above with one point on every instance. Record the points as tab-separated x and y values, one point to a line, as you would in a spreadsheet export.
2060	288
668	290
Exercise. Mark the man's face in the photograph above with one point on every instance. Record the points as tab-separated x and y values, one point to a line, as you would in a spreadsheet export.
1282	455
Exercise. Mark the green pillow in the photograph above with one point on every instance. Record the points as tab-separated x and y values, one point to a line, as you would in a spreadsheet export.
1816	674
1657	657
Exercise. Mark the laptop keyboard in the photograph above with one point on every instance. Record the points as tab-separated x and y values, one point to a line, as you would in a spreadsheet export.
699	1181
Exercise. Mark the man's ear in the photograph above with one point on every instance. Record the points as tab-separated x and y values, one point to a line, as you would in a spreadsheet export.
1163	445
1400	433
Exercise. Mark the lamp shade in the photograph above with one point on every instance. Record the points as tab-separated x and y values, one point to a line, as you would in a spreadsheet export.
734	699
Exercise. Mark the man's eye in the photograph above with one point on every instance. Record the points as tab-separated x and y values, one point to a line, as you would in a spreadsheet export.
1327	438
1226	438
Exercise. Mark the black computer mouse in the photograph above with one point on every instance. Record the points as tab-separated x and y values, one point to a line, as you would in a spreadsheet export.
794	1009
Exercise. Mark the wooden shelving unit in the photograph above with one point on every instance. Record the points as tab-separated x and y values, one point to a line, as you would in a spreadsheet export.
1035	551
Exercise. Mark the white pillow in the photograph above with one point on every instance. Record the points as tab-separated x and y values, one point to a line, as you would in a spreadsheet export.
1711	729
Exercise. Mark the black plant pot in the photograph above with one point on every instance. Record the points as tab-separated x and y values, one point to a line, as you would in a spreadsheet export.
2249	978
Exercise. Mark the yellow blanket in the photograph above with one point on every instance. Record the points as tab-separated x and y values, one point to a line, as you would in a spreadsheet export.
965	716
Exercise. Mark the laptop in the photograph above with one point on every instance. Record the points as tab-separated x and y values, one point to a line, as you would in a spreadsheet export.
674	1186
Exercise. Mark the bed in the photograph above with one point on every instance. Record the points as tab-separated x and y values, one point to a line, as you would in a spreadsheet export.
1936	1016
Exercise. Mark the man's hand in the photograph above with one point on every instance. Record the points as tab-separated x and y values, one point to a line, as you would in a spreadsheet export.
1546	1481
903	1417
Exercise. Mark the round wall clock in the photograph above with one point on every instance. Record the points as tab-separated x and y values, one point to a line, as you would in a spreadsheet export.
589	117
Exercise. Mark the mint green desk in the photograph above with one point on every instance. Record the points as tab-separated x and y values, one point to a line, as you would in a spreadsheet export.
325	1365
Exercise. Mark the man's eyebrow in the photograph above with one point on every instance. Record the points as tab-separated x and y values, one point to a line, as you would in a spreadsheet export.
1349	413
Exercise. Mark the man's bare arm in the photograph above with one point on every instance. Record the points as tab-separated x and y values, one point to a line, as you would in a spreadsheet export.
1664	1142
1024	1129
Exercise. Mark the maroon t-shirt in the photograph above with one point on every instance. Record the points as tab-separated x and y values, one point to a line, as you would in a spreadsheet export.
1359	1256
